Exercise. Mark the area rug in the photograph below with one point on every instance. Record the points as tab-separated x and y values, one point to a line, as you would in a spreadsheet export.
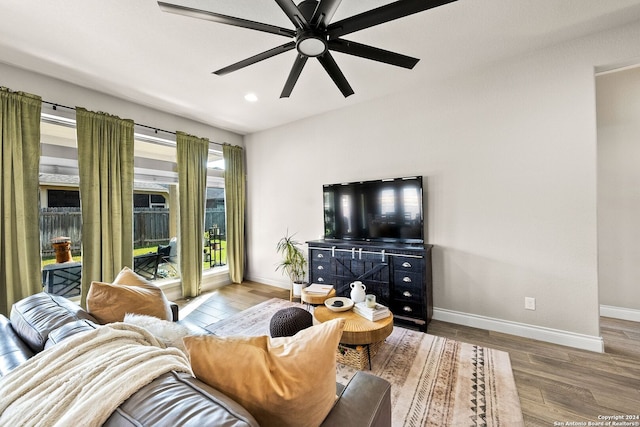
435	381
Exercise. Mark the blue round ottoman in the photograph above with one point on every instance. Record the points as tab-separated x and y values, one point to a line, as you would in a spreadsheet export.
289	321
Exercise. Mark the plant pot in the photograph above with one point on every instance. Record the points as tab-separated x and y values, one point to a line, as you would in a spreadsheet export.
297	289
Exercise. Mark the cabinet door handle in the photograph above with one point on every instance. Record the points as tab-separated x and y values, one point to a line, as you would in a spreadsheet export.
406	279
320	279
407	309
320	256
406	264
407	294
320	267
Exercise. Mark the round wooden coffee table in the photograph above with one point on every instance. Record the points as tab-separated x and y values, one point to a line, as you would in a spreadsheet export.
357	330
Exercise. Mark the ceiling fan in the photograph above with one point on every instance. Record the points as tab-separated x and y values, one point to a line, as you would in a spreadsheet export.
315	36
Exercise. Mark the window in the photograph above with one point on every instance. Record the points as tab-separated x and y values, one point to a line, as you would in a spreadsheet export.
155	220
158	201
149	200
215	224
63	199
155	190
59	194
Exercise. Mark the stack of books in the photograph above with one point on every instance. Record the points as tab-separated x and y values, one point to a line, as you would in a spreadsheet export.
317	289
378	312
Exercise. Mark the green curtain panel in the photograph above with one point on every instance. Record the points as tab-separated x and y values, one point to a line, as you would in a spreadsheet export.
235	201
105	163
193	153
20	264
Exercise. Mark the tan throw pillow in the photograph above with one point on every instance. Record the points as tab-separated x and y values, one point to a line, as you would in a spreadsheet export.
285	381
129	293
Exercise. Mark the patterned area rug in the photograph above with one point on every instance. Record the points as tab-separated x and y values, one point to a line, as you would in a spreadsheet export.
435	381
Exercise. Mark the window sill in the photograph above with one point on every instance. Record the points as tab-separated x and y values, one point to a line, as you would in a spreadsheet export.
211	279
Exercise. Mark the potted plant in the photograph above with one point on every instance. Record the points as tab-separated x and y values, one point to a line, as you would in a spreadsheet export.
293	263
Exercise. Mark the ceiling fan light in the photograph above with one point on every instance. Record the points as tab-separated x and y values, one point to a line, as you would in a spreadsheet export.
311	46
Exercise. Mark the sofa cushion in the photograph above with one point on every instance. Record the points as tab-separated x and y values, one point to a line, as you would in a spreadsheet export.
34	317
129	293
178	399
13	351
69	329
284	381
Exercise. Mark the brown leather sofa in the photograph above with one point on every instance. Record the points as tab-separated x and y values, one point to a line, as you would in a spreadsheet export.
175	399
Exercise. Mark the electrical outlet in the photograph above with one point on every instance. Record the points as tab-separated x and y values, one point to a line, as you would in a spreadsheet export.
529	303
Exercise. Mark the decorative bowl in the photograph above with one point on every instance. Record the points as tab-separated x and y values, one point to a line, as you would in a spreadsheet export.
338	304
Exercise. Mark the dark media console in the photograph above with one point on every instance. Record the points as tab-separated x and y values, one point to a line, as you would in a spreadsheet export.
398	274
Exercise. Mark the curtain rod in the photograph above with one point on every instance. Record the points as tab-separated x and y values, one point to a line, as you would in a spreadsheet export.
55	105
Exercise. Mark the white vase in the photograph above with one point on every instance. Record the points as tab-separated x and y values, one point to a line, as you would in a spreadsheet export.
297	289
357	291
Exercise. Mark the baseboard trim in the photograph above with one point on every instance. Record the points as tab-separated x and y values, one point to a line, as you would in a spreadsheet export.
621	313
265	281
555	336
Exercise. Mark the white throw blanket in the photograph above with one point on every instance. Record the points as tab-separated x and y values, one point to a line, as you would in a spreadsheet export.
83	379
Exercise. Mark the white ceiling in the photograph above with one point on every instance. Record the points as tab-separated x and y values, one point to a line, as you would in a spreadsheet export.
133	50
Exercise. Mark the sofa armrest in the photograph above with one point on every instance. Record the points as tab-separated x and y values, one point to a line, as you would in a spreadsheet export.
364	402
13	351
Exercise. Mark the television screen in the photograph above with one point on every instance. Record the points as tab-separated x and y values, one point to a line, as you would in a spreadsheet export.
388	210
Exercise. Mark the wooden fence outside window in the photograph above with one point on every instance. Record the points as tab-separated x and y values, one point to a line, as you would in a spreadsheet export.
150	226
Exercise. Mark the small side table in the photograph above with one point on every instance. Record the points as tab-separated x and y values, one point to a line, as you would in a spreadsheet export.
315	299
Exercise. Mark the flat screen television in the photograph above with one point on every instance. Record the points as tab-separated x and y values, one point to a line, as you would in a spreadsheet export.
387	210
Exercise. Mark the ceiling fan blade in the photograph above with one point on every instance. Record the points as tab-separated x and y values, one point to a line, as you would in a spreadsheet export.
336	75
380	15
256	58
294	14
224	19
324	13
374	53
298	65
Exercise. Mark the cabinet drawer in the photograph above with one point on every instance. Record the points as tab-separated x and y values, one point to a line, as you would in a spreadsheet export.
407	308
406	279
409	292
316	278
320	256
320	267
411	265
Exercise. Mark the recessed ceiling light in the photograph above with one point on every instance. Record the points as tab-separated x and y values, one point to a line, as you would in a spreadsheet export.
251	97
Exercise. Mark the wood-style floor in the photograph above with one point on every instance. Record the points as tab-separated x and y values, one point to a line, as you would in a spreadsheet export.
559	384
556	384
224	302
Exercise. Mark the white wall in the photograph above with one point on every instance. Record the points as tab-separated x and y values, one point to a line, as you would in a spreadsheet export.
509	158
618	106
62	93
